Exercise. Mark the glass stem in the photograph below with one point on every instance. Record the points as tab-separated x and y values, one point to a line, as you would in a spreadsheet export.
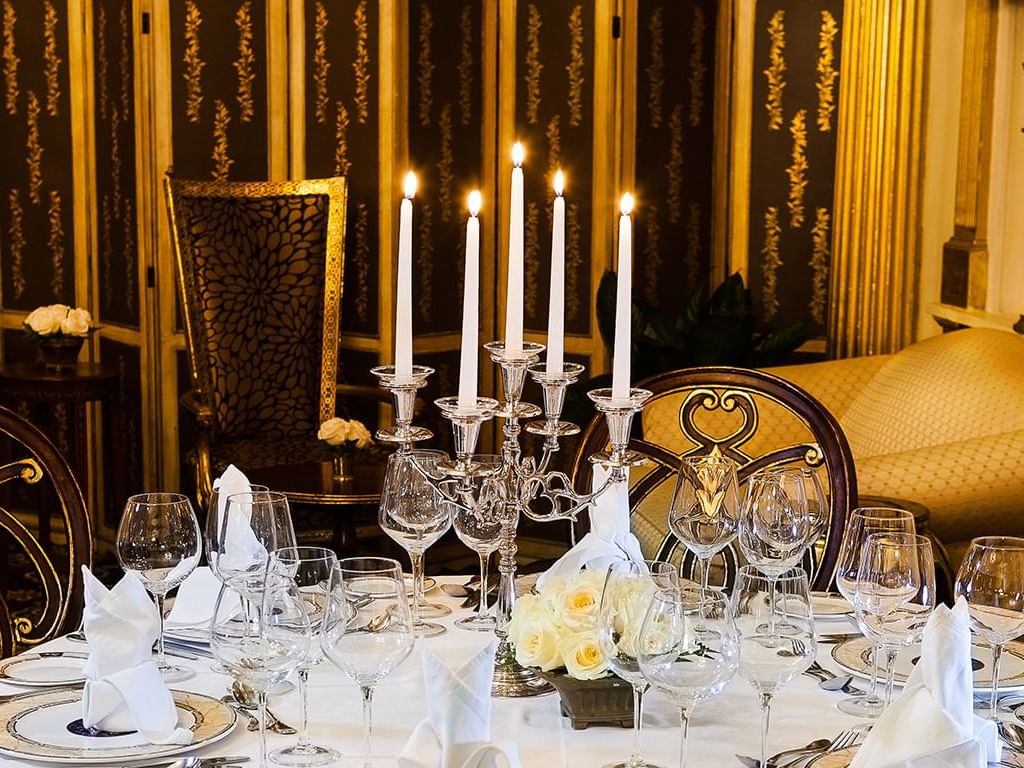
890	672
417	586
771	610
997	651
636	760
872	698
766	712
262	697
367	691
303	742
485	560
161	658
684	719
705	573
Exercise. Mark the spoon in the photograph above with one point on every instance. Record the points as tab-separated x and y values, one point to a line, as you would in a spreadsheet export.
1013	735
246	698
377	623
843	683
818	745
253	724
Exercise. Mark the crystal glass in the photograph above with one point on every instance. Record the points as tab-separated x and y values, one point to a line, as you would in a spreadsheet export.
262	646
770	659
254	524
367	630
415	514
214	528
628	589
705	508
861	523
310	568
991	580
776	525
688	649
895	593
477	523
158	541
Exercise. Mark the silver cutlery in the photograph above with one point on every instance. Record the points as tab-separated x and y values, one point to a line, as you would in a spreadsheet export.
195	762
252	724
842	683
247	699
818	745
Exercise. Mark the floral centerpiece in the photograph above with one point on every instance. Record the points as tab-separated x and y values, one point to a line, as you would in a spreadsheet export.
60	331
343	437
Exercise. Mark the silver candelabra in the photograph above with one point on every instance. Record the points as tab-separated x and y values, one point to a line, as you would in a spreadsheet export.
525	485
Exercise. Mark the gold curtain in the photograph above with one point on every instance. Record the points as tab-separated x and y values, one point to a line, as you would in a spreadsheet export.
878	171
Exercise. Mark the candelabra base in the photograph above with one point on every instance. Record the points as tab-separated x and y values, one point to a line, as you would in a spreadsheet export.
511	680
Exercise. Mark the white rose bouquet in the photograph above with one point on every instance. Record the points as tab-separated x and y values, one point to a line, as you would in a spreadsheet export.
344	435
57	320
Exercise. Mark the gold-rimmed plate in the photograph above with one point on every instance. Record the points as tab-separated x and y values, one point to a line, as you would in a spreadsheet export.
830	605
44	726
47	669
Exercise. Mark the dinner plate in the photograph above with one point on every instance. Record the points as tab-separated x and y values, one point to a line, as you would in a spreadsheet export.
191	635
855	657
841	758
830	605
39	727
44	669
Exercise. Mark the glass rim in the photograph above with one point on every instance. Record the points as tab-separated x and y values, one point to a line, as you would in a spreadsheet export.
708	458
391	565
696	596
328	553
166	497
253	488
876	513
1007	542
793	574
898	537
272	496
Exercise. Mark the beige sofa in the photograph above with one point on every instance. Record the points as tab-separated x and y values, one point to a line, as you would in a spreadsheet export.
940	423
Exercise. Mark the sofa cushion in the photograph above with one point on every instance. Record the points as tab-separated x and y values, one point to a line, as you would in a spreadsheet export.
952	387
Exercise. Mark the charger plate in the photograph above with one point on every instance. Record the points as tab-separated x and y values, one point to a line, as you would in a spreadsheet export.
841	758
830	605
37	728
854	656
47	669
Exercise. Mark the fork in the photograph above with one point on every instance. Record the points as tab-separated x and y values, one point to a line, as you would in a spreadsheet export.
845	738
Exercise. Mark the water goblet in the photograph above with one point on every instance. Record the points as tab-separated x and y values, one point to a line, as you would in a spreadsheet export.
367	630
688	649
310	568
991	580
860	524
628	589
415	515
254	524
477	522
705	507
895	594
770	659
158	540
214	530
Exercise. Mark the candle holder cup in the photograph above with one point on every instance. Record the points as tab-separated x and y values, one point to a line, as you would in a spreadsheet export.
465	430
554	385
618	413
514	365
403	394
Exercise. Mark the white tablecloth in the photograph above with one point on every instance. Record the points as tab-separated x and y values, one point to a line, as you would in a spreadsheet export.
719	728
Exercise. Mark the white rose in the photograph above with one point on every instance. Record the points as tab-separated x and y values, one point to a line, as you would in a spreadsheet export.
47	320
77	322
528	611
582	656
578	606
538	647
337	431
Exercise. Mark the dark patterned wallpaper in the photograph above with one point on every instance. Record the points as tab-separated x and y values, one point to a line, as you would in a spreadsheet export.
36	237
342	138
128	444
793	145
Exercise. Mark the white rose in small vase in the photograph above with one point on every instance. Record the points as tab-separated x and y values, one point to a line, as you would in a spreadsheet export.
538	646
77	322
583	657
46	321
344	435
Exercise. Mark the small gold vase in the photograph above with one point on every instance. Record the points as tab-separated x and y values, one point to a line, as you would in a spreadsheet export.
342	467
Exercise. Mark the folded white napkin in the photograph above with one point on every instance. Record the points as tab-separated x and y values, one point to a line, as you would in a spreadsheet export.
123	688
932	723
609	538
457	731
240	546
196	599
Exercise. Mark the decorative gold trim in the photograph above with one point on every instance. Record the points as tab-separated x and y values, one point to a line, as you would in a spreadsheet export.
771	263
465	68
797	170
573	261
245	62
655	66
106	262
128	237
222	161
574	69
125	63
820	257
693	263
34	150
652	252
102	62
424	66
51	61
361	261
827	73
698	70
776	69
361	65
194	63
554	136
531	259
16	243
533	64
321	65
445	174
115	159
341	161
56	243
425	260
675	165
11	59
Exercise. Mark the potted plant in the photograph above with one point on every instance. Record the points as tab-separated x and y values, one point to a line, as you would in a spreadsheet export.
59	331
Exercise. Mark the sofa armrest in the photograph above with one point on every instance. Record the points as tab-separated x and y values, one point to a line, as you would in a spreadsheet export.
835	383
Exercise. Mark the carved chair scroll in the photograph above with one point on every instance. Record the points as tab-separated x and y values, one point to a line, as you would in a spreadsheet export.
754	418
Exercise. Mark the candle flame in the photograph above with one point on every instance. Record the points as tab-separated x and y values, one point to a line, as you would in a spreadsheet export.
626	204
518	154
474	202
559	184
410	184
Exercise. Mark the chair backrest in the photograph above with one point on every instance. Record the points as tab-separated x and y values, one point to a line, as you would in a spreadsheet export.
260	277
754	418
31	458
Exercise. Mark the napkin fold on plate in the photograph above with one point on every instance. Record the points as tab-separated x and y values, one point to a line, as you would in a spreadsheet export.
609	538
123	688
932	723
196	600
457	730
240	546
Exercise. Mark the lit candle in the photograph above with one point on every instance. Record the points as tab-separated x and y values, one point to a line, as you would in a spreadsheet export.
470	309
623	303
514	288
556	302
403	310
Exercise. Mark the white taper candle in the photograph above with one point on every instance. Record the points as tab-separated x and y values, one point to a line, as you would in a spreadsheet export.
623	303
470	309
556	301
514	287
403	308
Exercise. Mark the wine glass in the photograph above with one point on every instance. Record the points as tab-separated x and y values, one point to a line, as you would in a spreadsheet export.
705	508
367	629
768	659
158	541
213	529
415	515
262	646
991	580
861	523
688	649
254	524
628	589
477	523
895	593
310	568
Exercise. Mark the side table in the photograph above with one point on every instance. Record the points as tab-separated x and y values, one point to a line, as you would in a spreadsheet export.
89	382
